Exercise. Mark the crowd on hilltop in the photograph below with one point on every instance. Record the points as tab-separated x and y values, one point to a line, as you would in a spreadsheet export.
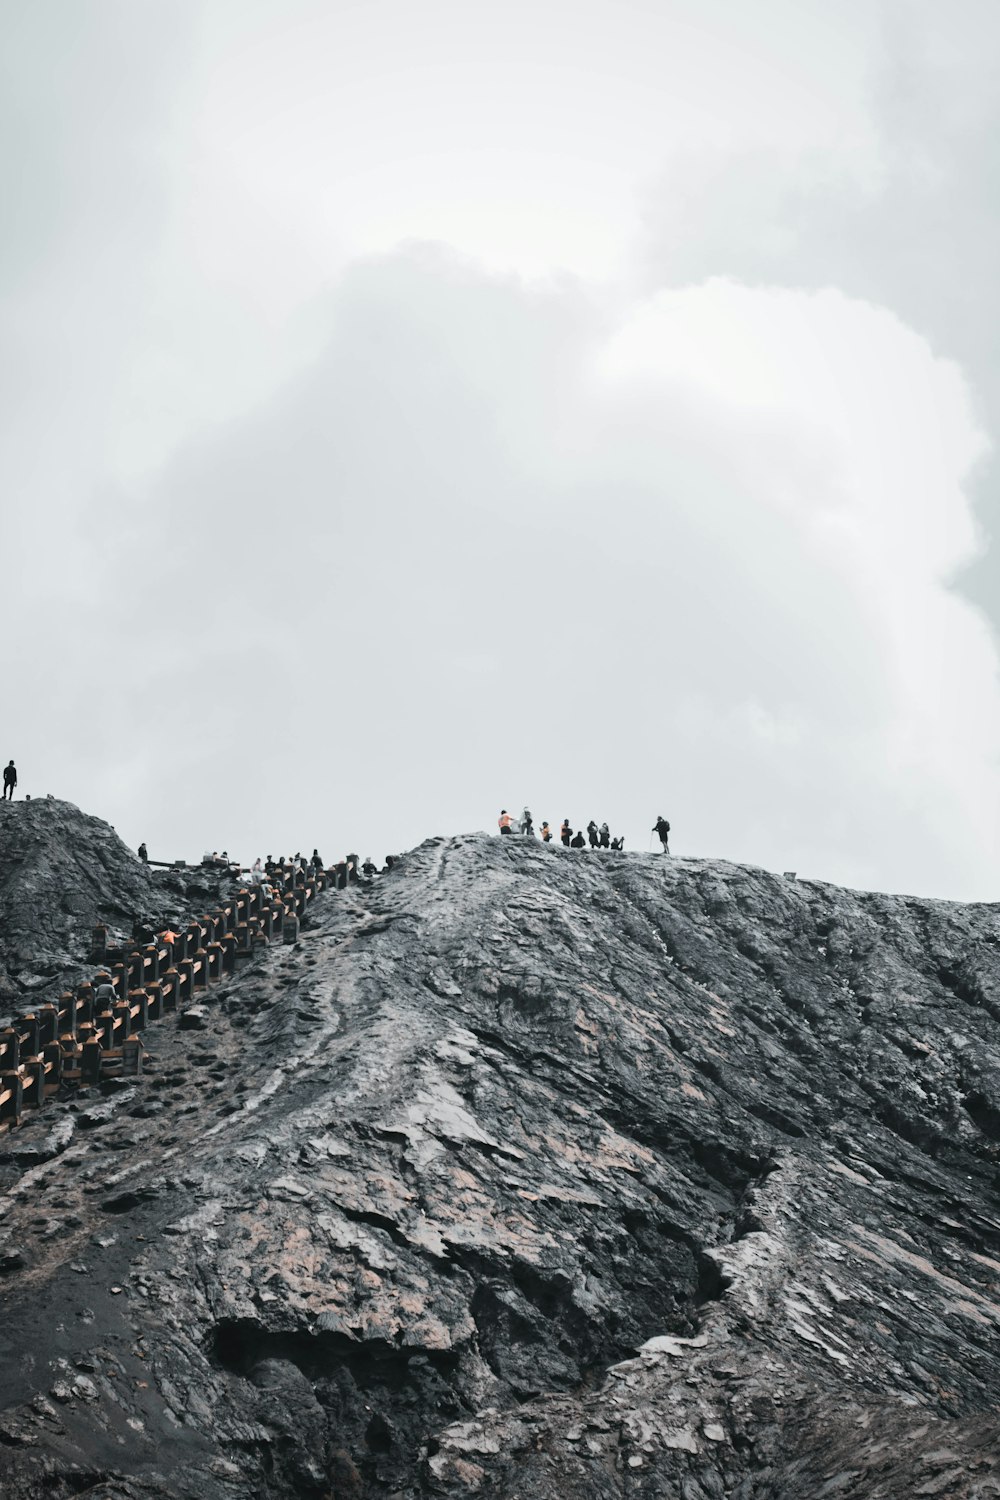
267	870
595	837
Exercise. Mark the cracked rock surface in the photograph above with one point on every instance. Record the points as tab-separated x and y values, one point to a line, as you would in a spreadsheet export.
531	1173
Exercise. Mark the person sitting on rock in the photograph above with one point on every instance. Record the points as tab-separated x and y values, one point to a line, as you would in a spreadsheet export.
592	834
618	843
9	780
565	832
546	834
605	836
504	821
578	842
662	829
368	869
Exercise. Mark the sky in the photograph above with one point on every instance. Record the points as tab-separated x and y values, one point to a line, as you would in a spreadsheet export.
413	411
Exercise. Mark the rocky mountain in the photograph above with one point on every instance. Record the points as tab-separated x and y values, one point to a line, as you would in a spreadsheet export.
62	872
525	1174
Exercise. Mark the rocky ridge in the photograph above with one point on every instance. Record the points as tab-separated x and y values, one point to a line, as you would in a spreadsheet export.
63	871
531	1173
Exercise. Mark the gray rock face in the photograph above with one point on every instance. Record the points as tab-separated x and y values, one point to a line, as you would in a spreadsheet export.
532	1173
62	872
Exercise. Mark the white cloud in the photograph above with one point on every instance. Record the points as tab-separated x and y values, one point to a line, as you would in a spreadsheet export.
497	545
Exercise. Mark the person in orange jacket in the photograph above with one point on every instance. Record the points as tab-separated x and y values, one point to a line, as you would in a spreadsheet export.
504	821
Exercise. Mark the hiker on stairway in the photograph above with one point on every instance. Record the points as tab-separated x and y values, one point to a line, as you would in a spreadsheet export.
662	829
504	821
592	834
9	780
565	832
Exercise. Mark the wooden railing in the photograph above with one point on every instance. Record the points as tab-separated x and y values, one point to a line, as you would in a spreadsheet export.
96	1031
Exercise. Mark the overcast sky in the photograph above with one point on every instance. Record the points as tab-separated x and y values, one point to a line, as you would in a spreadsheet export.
411	411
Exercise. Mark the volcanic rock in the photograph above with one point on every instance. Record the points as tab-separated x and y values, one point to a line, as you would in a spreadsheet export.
525	1174
61	873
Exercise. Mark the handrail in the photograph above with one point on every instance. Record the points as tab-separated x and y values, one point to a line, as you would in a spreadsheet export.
72	1041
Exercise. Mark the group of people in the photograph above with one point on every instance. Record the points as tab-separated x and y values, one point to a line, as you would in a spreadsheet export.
596	837
351	866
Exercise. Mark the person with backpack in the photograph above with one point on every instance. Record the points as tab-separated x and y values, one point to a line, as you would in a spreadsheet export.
9	780
565	833
546	834
662	829
527	823
592	834
605	836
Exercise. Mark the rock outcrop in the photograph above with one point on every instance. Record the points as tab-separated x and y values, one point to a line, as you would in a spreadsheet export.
62	872
529	1174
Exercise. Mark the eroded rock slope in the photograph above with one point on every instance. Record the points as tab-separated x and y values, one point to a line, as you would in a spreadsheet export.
532	1173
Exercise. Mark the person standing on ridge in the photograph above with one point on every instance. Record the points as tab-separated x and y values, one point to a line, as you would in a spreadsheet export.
504	821
605	836
662	829
527	823
565	832
546	834
592	834
143	852
9	779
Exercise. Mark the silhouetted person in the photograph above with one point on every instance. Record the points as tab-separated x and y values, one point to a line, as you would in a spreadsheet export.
565	832
317	862
605	836
352	867
618	843
527	825
9	780
504	821
546	834
592	834
143	853
368	869
578	842
662	829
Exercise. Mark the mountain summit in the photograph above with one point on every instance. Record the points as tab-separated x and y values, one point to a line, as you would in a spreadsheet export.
530	1174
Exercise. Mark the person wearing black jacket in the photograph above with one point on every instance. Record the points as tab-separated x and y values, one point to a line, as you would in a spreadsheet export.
662	829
